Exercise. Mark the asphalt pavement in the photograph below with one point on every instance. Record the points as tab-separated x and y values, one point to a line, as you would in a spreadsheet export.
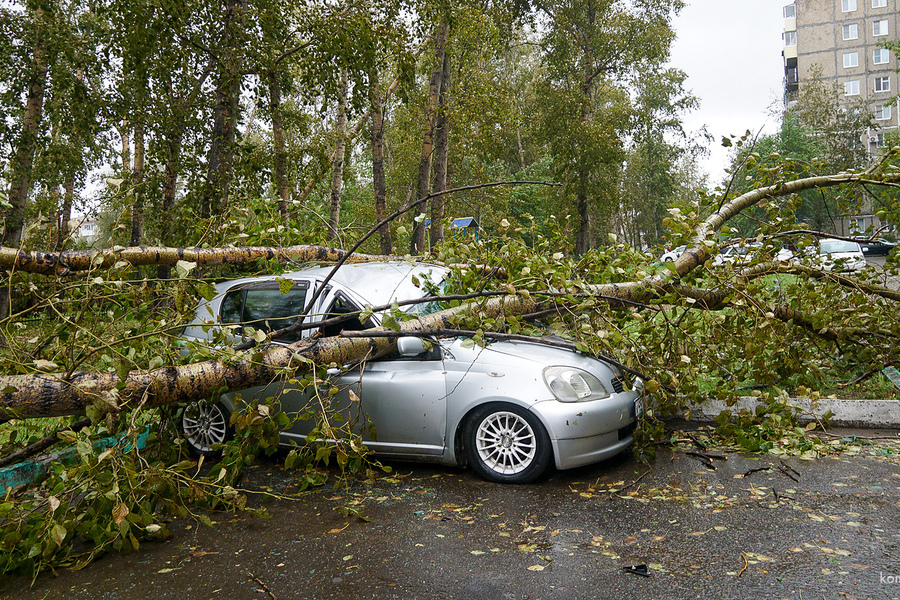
755	526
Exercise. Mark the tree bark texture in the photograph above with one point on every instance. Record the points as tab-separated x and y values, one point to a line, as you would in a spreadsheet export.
63	263
225	112
279	151
583	238
46	395
379	182
65	211
137	188
22	162
337	174
311	183
417	243
441	153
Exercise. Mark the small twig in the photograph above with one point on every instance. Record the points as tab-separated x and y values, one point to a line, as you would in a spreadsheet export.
780	497
265	588
868	374
696	442
556	343
746	564
750	471
611	494
708	455
707	462
786	470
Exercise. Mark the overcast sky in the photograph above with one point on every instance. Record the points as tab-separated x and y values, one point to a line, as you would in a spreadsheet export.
731	52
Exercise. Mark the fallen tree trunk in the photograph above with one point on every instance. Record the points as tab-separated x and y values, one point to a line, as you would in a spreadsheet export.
63	263
50	395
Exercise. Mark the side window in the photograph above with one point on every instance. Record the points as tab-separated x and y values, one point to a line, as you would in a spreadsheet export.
233	306
342	306
264	307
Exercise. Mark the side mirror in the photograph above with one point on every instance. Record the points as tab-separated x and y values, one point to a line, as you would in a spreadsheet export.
410	346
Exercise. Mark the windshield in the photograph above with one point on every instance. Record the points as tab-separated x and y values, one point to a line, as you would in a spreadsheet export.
428	308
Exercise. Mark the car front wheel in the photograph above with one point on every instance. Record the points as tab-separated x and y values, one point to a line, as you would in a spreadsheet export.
507	444
204	425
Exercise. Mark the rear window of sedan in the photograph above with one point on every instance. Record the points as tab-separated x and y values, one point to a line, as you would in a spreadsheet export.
835	246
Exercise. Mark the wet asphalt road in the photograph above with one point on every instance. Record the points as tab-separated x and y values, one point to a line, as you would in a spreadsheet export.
755	527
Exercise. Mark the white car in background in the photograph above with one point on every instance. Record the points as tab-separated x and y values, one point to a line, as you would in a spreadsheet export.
672	255
736	254
840	255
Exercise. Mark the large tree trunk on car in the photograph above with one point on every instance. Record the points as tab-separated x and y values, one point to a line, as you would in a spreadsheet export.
48	395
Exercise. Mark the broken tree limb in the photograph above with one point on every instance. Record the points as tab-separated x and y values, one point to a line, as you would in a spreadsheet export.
40	395
49	395
703	244
443	332
41	445
63	263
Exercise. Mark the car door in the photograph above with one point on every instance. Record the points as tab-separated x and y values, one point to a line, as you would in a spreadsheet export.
396	403
269	306
405	399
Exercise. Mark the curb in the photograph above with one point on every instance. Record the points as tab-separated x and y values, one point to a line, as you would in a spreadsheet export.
845	413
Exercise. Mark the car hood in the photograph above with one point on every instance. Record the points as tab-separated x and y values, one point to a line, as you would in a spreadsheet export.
533	355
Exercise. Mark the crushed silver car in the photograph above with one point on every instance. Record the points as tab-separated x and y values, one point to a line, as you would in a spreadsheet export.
510	410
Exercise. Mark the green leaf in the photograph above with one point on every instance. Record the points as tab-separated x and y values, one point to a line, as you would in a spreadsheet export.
284	285
391	323
58	534
183	268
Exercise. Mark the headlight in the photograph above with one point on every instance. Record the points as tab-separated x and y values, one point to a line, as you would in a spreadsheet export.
570	384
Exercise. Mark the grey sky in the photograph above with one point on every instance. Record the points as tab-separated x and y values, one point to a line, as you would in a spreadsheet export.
731	52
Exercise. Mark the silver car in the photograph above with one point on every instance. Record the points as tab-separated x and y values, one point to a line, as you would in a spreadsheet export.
841	255
510	410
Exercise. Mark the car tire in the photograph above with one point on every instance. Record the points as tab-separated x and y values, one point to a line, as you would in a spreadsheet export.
507	444
204	425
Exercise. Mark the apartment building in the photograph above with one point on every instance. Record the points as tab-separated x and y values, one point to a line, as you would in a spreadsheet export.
842	38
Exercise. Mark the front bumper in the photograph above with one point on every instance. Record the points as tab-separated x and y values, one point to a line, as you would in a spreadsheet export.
583	433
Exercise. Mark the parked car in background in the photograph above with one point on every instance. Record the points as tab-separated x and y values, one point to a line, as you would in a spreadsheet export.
510	410
840	255
672	255
736	254
875	247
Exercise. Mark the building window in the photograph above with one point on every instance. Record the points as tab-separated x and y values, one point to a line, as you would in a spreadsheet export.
882	84
880	28
790	11
848	5
879	3
851	31
883	113
880	140
790	38
881	56
851	59
851	88
790	74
